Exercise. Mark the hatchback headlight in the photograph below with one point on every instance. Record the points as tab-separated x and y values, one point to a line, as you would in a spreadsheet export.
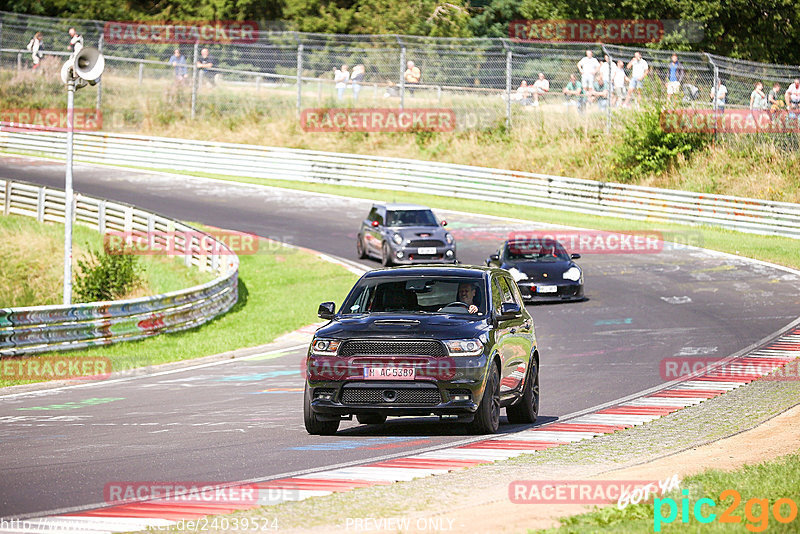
573	273
324	347
449	238
397	238
464	347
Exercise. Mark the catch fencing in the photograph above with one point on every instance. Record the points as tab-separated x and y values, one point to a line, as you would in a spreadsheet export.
36	329
462	181
478	78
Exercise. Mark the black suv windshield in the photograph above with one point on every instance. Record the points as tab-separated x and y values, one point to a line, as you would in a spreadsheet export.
543	250
416	295
410	218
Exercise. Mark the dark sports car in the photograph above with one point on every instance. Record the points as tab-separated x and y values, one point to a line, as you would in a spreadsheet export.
456	342
542	268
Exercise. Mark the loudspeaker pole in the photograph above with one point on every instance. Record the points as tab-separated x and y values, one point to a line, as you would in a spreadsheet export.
68	197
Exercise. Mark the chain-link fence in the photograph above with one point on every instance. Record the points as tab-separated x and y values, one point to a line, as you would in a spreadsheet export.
484	82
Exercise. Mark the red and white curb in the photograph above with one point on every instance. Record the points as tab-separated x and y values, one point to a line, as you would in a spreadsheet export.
162	514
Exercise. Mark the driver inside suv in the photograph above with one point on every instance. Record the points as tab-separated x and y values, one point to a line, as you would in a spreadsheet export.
466	294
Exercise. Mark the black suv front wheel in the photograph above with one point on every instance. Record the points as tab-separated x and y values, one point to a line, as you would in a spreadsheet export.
487	418
313	424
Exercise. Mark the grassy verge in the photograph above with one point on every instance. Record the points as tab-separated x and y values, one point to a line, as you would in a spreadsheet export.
279	291
32	278
765	483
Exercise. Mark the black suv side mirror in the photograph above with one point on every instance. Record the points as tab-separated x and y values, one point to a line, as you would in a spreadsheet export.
575	256
494	257
509	310
327	310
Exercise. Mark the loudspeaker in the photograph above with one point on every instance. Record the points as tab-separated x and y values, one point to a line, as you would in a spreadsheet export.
88	64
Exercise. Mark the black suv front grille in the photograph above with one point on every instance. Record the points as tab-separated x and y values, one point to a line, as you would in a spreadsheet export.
425	243
390	396
390	347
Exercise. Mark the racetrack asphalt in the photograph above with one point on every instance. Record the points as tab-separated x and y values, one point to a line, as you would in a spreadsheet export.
242	419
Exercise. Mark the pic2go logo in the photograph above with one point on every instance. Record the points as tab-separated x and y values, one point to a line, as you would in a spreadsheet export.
756	511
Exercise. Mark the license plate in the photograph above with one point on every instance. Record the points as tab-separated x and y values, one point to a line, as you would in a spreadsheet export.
389	373
428	251
546	289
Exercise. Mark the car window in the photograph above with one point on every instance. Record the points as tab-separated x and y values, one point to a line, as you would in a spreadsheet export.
505	290
373	215
410	218
515	293
413	295
497	295
540	250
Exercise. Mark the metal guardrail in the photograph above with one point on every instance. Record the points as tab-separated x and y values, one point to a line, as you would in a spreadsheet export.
36	329
463	181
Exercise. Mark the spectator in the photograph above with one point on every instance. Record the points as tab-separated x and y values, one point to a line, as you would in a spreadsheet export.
588	67
205	66
75	41
540	87
618	84
35	47
674	77
639	70
758	100
792	96
774	99
573	93
599	92
523	94
359	72
607	70
719	96
178	61
412	76
341	77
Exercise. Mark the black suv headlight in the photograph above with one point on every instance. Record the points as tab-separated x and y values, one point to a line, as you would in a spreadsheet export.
324	347
464	347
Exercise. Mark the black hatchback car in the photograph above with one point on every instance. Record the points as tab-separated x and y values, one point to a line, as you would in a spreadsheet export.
451	341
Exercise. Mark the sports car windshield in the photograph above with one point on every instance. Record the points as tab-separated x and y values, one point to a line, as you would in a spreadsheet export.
416	295
411	218
536	250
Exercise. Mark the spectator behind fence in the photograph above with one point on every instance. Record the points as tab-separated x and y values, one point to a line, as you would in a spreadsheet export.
792	96
359	72
36	49
719	96
341	77
758	99
178	62
588	66
599	92
573	93
774	99
75	41
675	73
639	70
412	76
540	88
523	93
205	67
618	80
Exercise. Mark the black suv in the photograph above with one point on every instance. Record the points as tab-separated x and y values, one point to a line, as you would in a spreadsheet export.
452	341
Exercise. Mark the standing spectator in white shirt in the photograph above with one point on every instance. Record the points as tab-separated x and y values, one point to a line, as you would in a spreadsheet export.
588	68
792	96
341	77
618	79
718	97
540	87
35	46
639	69
75	41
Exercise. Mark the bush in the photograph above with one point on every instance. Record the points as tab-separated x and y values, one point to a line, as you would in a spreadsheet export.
647	149
104	276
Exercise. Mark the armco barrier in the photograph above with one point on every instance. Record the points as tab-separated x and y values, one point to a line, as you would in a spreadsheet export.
36	329
524	188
